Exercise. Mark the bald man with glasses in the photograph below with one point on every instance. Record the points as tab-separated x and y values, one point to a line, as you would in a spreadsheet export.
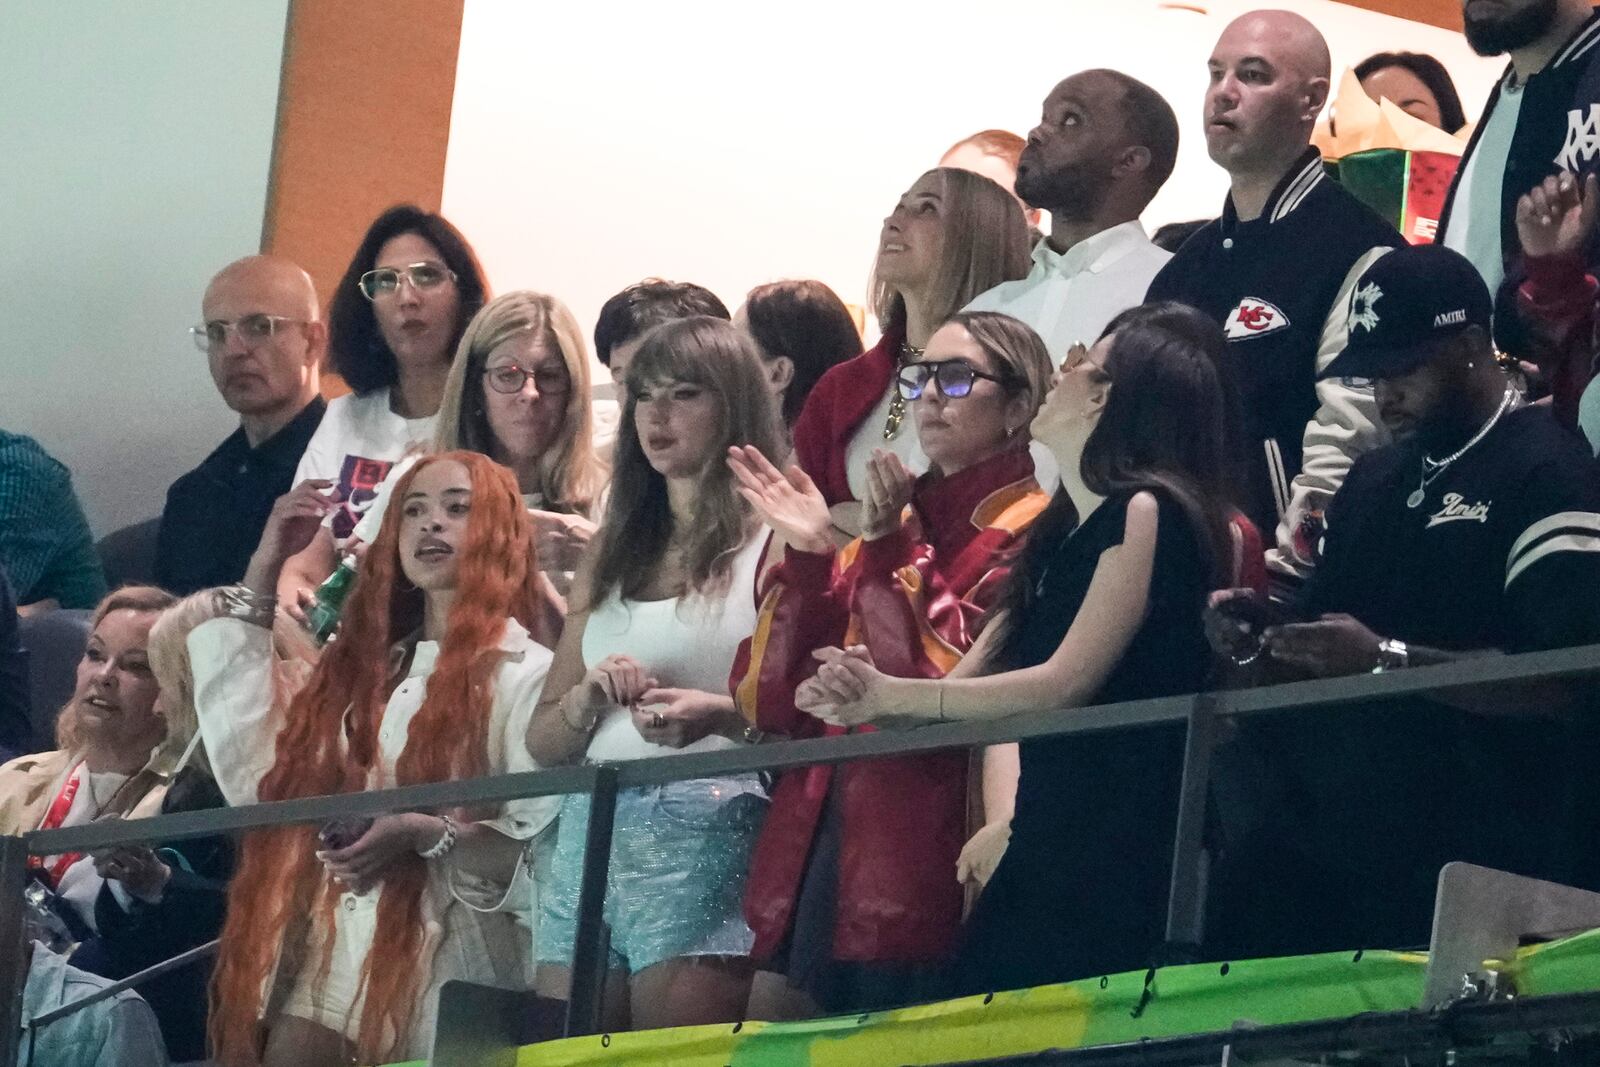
264	341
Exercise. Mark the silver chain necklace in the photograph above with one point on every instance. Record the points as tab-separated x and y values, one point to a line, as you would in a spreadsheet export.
1432	468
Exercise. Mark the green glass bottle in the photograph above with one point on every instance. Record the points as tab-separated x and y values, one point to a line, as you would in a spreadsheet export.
323	618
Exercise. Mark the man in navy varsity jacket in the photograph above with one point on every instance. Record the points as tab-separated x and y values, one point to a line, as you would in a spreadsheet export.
1277	270
1542	118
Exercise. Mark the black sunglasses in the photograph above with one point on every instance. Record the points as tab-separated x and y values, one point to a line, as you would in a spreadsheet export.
953	378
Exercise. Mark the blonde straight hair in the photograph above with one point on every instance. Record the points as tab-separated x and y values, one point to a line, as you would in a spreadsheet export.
168	650
985	242
571	476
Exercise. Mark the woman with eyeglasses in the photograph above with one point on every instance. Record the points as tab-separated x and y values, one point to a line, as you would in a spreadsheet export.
659	606
518	392
1105	604
951	236
395	321
852	892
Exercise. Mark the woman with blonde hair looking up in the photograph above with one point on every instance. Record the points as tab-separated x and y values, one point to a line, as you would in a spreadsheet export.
951	236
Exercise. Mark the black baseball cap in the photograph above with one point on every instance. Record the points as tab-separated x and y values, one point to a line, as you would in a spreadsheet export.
1408	299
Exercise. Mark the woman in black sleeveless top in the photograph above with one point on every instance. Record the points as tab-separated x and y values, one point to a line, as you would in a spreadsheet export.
1105	605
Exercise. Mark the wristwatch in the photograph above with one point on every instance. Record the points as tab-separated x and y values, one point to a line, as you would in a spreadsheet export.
1392	656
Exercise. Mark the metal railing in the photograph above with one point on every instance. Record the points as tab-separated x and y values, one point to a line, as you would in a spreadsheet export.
601	783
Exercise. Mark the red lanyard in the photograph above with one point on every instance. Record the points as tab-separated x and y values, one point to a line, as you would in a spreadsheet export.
53	818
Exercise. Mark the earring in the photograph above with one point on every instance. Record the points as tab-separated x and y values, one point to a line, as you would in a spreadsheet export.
1011	431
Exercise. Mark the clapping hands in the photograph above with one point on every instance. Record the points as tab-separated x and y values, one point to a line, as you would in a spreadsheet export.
788	501
889	486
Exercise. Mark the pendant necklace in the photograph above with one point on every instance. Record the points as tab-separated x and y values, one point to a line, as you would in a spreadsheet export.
897	403
1432	468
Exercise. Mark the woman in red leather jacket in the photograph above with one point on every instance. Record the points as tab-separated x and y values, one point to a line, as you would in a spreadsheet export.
951	236
852	892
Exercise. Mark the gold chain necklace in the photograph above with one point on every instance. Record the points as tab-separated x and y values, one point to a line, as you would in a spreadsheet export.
897	403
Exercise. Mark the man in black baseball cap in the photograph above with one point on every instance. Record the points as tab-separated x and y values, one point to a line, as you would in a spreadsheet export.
1420	325
1476	532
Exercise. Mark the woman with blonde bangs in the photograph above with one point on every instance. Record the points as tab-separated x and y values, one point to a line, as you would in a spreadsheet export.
519	393
660	605
951	236
337	940
528	347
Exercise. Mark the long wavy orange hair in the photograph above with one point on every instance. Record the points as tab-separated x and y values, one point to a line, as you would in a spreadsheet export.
328	744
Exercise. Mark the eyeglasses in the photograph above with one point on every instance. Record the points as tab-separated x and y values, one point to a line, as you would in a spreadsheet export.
952	377
252	330
385	281
510	378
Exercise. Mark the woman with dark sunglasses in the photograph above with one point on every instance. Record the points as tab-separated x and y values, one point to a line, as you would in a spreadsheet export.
852	894
393	326
1105	604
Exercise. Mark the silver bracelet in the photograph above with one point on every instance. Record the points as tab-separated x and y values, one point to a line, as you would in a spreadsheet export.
447	840
240	602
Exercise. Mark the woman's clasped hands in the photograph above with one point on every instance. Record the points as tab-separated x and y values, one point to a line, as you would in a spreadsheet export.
848	690
666	716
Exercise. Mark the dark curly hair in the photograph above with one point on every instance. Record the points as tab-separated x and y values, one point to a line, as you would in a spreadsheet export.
642	305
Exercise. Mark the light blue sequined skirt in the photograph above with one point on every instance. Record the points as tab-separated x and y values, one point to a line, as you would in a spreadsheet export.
679	855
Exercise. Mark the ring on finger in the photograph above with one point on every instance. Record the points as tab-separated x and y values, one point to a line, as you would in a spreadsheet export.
657	721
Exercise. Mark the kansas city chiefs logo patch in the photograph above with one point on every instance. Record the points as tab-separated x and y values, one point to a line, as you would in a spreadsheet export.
1253	318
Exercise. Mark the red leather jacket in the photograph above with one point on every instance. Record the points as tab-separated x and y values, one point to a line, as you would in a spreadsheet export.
840	400
916	600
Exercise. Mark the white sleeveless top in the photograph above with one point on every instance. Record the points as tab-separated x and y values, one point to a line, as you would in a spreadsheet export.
683	642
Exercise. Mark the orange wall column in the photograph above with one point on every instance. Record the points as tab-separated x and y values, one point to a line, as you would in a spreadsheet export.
363	123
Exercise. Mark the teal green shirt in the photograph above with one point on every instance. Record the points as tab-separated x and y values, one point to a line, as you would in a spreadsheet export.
45	544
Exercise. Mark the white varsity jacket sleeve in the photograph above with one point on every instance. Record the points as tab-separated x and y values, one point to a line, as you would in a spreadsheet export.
233	691
1345	426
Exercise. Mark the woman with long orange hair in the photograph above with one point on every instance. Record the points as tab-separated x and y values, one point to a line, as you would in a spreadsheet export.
336	941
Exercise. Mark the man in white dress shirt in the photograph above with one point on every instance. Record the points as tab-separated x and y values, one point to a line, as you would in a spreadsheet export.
1103	147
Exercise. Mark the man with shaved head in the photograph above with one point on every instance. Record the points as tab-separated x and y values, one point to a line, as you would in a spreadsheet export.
1104	145
264	341
1278	270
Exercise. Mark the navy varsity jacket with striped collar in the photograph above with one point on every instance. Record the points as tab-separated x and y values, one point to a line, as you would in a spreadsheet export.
1279	285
